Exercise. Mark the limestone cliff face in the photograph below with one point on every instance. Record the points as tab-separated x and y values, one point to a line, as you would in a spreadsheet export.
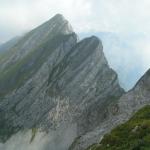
85	79
118	112
52	82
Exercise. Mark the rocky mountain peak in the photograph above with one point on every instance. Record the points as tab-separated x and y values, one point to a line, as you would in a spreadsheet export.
56	26
59	23
55	83
58	18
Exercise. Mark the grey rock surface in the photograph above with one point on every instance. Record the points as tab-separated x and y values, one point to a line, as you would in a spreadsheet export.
118	113
55	81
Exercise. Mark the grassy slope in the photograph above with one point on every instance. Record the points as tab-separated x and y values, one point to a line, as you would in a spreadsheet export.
132	135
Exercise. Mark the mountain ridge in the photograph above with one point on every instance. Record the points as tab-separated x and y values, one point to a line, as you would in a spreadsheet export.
58	84
70	76
118	113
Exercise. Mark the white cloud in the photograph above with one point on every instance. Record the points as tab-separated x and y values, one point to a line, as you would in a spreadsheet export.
84	15
59	139
128	18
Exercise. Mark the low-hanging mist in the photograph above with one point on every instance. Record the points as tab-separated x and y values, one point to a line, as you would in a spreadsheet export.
54	140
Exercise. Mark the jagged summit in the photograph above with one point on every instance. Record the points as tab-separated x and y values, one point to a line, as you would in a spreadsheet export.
94	39
55	26
61	23
58	17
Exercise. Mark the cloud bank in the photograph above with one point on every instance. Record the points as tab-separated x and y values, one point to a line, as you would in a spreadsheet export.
60	139
85	15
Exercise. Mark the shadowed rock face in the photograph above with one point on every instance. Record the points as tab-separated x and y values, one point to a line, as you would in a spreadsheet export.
86	80
55	82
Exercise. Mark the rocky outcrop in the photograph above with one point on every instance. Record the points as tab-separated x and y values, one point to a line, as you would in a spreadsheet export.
56	83
118	112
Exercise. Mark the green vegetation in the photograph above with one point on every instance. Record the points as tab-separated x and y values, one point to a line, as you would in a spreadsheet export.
132	135
34	131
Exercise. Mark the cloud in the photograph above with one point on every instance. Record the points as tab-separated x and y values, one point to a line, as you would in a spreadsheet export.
85	15
127	18
59	139
20	16
123	16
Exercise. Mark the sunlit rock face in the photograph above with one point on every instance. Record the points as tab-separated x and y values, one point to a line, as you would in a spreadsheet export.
55	85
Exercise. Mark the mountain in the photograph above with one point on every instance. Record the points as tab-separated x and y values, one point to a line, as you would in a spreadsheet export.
119	50
31	51
55	86
6	46
58	92
118	113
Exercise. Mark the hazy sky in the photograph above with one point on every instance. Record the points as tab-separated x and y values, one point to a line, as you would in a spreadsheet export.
17	16
130	19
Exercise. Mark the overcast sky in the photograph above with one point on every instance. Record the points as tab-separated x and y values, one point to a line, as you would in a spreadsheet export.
130	19
18	16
